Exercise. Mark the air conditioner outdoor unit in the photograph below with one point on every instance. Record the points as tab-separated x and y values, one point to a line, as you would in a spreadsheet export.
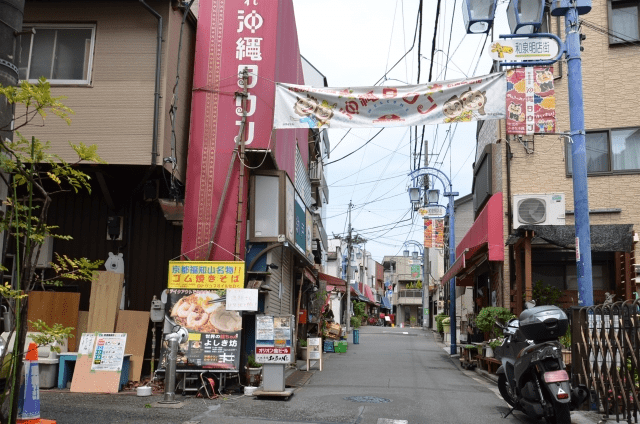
538	209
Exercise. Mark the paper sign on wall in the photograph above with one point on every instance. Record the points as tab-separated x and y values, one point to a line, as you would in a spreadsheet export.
242	300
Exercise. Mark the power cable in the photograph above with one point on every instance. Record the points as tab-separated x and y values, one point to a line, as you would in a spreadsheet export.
349	154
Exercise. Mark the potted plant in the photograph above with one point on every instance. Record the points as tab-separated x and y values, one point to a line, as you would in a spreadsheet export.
302	349
439	319
486	319
491	347
446	324
254	371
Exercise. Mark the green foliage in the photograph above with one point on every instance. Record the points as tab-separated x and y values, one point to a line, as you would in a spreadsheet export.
545	294
439	319
74	269
486	319
251	362
303	342
54	335
33	176
417	285
355	322
565	340
495	343
359	308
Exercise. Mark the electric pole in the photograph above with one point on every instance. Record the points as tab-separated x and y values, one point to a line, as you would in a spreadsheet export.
348	288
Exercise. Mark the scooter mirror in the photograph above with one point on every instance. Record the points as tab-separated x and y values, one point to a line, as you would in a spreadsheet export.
530	304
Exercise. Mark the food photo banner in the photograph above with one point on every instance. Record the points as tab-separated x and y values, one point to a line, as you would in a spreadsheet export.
197	295
462	100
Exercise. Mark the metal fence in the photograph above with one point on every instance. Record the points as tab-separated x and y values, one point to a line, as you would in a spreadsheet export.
605	356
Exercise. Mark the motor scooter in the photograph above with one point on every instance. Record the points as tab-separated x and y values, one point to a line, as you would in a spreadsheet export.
532	378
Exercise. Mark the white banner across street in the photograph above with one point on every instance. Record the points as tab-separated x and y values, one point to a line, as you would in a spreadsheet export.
464	100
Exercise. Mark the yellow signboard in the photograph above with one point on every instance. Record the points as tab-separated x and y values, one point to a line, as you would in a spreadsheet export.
206	275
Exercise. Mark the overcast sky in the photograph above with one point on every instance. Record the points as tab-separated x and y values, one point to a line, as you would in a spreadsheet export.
355	43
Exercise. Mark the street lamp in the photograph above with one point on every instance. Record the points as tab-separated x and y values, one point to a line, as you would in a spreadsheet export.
479	15
523	13
433	196
446	184
525	16
414	194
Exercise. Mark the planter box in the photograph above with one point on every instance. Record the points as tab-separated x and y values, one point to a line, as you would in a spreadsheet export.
340	346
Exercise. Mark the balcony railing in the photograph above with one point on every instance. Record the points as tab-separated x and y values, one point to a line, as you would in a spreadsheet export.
410	297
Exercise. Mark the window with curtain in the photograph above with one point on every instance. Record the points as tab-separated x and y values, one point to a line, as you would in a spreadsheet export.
615	150
624	25
61	53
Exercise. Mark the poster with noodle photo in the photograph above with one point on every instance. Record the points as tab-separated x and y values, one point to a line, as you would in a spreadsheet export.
196	300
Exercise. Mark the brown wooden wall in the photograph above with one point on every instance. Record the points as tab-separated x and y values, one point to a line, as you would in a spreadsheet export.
153	242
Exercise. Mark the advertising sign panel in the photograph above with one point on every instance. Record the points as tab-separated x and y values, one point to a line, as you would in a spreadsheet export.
463	100
274	339
531	102
517	49
197	301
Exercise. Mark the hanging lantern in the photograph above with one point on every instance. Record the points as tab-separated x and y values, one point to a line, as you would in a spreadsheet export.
525	16
478	15
414	254
405	253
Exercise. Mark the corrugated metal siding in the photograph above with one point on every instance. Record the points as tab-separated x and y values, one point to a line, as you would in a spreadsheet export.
303	183
280	305
154	241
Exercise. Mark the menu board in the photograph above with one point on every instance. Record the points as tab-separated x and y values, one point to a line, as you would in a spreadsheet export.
109	352
274	336
197	301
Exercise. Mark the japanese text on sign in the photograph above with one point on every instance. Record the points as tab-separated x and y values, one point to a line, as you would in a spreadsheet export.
206	275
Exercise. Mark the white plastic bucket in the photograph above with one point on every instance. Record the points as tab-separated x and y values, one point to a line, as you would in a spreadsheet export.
143	391
248	390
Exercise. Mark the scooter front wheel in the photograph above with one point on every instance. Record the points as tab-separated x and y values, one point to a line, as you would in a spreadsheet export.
504	390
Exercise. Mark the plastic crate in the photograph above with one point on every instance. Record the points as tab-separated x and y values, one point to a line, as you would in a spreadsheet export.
340	346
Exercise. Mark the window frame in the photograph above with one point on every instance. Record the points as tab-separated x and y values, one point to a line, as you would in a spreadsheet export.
57	26
611	171
613	40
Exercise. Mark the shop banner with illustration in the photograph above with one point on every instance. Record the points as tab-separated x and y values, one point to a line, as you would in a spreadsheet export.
434	233
463	100
531	102
197	301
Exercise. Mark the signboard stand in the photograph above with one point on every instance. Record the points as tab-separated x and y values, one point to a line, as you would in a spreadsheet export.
274	350
314	352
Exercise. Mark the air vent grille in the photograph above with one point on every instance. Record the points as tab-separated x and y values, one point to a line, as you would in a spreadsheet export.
532	211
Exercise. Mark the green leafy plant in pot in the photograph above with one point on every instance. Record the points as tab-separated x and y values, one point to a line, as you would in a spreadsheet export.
486	319
439	319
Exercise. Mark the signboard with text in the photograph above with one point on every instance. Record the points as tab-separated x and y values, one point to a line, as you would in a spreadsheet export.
197	301
517	49
531	102
274	336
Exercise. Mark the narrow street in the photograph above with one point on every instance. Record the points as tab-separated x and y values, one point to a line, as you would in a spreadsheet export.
394	375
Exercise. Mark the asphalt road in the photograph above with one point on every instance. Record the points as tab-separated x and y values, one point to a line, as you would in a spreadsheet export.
393	376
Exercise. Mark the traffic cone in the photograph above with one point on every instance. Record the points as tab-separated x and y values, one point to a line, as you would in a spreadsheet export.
29	395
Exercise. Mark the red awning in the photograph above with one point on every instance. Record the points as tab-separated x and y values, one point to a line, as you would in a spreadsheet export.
486	234
330	279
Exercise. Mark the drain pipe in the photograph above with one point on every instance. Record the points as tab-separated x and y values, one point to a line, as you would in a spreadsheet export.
156	102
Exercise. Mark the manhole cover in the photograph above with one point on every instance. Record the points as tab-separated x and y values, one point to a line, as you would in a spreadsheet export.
367	399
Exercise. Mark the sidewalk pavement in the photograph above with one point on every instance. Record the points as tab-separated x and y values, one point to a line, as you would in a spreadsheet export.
577	417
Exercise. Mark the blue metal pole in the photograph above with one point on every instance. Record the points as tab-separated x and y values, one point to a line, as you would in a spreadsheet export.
452	282
579	160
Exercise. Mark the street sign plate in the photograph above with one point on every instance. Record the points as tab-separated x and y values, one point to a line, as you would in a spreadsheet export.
433	212
516	49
